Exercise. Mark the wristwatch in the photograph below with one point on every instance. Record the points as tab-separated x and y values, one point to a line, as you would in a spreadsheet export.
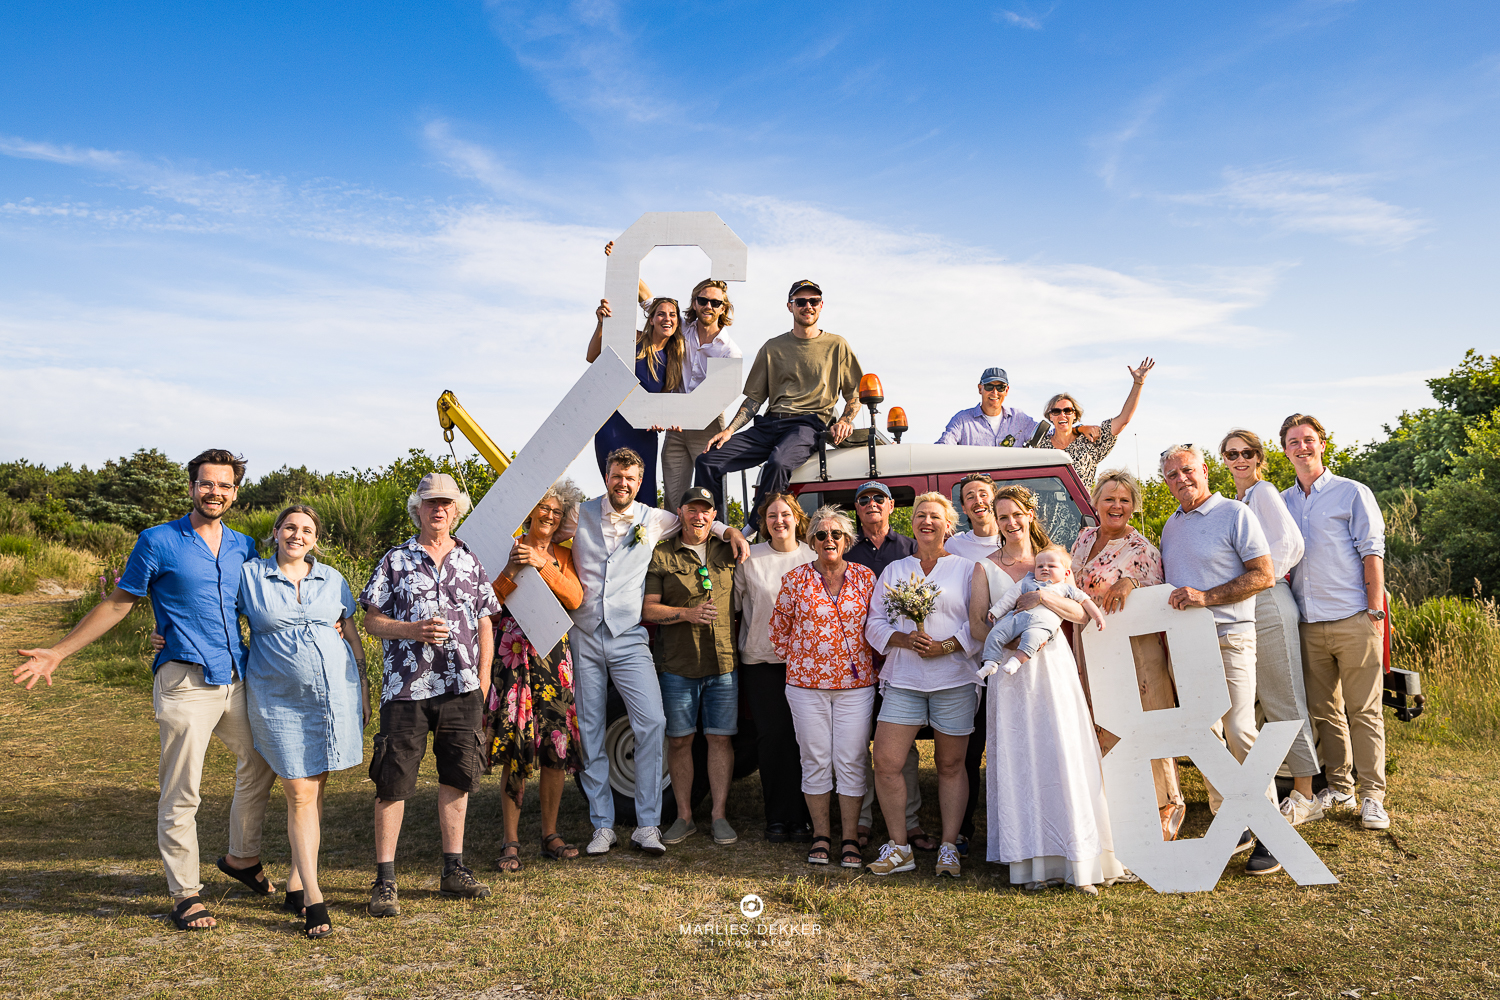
1377	615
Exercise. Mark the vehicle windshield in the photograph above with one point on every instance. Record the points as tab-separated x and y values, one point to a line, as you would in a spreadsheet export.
1055	509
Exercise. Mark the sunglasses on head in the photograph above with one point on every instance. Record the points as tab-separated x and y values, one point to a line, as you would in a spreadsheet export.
708	303
703	580
1060	409
823	536
811	300
1235	456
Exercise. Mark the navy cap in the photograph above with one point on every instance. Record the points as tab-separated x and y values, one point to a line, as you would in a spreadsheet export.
994	375
873	487
798	286
696	494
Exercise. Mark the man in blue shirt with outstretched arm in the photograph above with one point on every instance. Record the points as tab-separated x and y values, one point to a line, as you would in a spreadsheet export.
190	568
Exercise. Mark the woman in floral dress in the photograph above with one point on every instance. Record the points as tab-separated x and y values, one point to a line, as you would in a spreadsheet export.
529	717
1109	562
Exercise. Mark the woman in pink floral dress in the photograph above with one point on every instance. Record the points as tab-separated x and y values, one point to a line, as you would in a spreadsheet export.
1108	563
530	719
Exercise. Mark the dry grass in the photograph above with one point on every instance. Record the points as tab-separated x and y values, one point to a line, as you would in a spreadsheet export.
80	884
26	562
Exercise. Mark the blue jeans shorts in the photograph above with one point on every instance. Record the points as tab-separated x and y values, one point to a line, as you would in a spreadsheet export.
718	695
950	711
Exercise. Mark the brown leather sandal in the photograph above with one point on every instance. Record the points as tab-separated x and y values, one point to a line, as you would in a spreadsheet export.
560	853
507	862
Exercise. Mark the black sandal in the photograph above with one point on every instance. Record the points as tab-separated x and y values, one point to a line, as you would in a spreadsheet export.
858	859
561	853
812	857
317	916
251	876
504	861
184	920
293	903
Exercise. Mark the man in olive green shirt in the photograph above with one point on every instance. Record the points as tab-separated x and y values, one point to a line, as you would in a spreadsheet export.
799	377
688	596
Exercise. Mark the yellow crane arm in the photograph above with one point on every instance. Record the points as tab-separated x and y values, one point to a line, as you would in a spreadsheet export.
453	416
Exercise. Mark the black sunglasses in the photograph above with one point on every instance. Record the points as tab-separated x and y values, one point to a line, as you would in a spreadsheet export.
1235	456
810	301
823	536
994	387
708	303
703	580
1060	409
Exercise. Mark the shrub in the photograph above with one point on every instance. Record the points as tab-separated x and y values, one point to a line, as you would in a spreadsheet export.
255	523
15	519
109	542
363	518
17	545
1455	644
139	491
50	517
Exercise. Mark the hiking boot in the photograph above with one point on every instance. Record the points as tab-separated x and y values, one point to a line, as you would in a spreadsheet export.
462	883
384	902
893	859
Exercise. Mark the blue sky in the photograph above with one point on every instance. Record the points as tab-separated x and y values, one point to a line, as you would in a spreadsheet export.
287	230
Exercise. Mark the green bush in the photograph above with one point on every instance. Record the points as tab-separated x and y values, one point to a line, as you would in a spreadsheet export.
109	542
17	545
255	523
15	519
1455	645
138	491
363	518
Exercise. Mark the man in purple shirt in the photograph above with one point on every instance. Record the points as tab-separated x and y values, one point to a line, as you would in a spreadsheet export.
991	423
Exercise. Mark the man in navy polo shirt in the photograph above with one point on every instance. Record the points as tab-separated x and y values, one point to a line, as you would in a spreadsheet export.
190	568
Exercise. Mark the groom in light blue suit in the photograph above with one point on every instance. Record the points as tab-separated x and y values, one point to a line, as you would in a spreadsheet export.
611	552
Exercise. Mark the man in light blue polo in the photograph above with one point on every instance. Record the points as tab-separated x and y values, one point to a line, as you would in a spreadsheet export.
612	550
1340	590
1214	552
190	568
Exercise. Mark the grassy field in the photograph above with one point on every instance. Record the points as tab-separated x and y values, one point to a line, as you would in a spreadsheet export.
82	895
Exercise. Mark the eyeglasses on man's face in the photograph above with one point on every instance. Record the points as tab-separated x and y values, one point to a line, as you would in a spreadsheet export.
207	485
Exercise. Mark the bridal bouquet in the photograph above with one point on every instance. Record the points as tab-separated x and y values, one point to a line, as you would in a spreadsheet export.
912	599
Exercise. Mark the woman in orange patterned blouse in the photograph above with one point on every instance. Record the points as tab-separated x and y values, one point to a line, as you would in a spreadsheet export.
1109	562
818	627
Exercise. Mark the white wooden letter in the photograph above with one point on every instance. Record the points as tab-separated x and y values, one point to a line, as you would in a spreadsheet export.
1203	698
728	258
490	527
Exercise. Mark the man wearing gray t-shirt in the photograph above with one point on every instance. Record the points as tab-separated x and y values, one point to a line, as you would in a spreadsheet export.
1214	552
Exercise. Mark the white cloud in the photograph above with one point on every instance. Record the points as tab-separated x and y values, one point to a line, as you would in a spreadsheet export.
1324	204
1019	20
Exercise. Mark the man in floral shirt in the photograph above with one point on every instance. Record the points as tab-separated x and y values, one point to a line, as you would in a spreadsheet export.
430	602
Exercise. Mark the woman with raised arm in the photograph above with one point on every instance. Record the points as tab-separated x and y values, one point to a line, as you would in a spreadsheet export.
307	691
1040	732
659	355
1109	563
1064	413
530	719
928	679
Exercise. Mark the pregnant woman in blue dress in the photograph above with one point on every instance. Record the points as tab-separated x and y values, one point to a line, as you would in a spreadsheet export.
659	350
309	699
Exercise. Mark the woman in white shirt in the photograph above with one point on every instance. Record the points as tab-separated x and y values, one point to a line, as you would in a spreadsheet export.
928	679
1278	660
757	581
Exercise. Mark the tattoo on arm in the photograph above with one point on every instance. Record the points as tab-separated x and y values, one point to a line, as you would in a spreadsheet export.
743	416
851	410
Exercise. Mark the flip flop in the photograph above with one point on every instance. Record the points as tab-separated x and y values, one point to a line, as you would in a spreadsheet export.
251	876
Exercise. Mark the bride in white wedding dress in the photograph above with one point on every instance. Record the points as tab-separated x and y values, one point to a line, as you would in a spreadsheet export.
1047	816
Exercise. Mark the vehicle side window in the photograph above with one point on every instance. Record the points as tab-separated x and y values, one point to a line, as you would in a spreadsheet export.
1055	508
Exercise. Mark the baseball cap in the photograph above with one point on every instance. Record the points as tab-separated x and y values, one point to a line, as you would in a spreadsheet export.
994	375
873	487
798	286
439	485
697	494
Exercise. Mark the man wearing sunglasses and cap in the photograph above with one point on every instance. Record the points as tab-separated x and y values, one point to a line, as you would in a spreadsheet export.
799	377
991	423
688	595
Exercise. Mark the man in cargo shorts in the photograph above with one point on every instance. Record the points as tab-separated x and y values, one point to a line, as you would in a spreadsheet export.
430	602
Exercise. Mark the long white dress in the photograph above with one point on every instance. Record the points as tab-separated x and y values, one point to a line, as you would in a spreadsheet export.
1045	784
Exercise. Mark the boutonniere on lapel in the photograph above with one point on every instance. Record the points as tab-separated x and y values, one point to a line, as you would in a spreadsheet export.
637	535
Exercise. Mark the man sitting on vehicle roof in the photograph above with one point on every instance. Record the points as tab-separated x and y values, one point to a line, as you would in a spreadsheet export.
993	424
799	377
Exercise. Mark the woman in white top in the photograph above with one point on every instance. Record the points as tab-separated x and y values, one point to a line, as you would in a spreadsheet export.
928	679
757	581
1045	783
1278	654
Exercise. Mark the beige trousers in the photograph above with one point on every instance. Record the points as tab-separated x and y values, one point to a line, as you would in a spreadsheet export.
1341	661
679	450
189	711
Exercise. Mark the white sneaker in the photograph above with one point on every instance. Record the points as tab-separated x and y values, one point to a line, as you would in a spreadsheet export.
893	859
648	839
1299	809
604	838
1372	815
1330	799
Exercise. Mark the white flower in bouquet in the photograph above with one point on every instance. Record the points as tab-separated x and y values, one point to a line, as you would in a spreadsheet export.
912	599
